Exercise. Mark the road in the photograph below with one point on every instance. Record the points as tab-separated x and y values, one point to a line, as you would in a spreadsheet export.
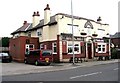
106	72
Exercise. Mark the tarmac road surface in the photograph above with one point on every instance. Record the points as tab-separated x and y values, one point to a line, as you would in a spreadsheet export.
106	72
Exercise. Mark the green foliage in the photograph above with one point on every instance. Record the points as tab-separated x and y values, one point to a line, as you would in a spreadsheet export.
5	42
113	53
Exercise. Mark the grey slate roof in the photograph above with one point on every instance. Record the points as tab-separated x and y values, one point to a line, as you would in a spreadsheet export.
52	21
116	35
23	28
77	17
41	24
29	27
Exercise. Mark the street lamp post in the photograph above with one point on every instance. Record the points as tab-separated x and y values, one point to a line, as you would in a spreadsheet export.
72	33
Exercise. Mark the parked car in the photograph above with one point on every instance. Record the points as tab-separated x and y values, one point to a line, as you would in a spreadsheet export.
43	57
5	57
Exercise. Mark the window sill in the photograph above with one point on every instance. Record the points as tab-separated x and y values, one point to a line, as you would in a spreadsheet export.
74	53
54	53
101	52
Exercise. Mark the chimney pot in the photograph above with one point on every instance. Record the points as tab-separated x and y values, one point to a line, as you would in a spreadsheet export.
47	7
25	22
34	14
99	19
38	13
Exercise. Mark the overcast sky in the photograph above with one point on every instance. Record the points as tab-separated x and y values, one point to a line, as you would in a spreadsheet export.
14	12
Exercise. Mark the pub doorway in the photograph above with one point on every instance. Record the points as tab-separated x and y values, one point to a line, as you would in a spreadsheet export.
89	47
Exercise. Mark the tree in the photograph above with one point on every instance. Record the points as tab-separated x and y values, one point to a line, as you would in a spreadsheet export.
5	42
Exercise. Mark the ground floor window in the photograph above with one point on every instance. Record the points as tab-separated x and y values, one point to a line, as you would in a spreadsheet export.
41	46
101	47
76	47
28	47
54	47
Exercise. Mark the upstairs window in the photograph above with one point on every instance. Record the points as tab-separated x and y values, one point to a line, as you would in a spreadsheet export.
29	34
39	33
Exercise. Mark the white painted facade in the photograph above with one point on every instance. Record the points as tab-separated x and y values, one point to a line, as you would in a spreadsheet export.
49	33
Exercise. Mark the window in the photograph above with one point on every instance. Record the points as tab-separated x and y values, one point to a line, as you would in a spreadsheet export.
46	53
41	46
30	46
70	49
76	48
54	45
101	48
29	34
39	33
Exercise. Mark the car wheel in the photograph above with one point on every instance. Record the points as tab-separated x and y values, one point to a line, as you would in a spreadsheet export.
25	61
47	64
36	63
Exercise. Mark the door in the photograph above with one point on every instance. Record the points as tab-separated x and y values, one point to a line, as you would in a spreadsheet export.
89	46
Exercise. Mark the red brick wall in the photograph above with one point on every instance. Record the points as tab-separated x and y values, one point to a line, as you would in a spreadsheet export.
17	47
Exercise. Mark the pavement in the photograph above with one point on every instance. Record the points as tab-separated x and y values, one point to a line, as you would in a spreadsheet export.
15	68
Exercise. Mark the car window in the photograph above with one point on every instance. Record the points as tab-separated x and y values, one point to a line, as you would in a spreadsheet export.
35	53
46	53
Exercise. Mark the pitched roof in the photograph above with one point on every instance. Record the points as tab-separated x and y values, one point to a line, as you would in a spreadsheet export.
41	24
23	28
116	35
77	17
28	26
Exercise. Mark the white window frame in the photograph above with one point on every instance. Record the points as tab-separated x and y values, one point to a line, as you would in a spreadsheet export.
40	33
75	52
27	46
41	46
102	45
54	46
